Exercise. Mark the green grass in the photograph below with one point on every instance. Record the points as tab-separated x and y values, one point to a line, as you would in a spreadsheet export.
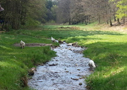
109	53
107	49
15	62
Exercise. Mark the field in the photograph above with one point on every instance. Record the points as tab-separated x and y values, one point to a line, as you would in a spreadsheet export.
106	48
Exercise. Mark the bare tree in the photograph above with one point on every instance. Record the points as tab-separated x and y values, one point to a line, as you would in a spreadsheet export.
86	11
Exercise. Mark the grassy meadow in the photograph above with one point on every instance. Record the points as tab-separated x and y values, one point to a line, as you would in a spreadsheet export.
15	62
106	48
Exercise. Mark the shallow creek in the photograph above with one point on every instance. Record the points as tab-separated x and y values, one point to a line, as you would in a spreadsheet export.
66	71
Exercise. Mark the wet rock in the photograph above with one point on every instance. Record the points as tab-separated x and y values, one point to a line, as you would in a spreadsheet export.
70	49
78	69
69	44
76	65
52	79
66	71
60	41
31	71
53	64
80	83
75	79
40	80
36	85
56	72
74	44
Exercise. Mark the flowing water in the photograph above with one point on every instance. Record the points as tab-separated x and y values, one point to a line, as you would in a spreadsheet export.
66	71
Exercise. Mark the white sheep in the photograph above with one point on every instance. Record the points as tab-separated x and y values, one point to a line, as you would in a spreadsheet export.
92	65
22	44
54	40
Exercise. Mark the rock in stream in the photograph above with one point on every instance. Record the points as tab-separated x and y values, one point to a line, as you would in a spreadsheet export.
64	72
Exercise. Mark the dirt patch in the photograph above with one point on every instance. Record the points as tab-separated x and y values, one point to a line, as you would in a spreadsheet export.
2	31
33	44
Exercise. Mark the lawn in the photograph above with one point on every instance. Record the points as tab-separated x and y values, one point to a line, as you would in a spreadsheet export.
106	48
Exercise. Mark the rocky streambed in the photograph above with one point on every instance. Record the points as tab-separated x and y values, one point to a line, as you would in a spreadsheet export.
66	71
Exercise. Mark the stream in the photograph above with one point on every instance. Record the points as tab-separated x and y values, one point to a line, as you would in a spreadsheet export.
66	71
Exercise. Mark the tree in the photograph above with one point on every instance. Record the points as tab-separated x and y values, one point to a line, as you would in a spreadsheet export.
22	12
63	11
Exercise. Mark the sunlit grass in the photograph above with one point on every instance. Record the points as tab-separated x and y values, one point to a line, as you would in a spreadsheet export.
106	48
15	62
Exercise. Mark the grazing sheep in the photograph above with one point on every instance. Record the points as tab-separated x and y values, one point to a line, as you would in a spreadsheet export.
22	44
54	40
92	65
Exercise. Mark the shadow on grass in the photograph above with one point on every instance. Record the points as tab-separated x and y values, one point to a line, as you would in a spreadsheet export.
73	33
116	81
107	52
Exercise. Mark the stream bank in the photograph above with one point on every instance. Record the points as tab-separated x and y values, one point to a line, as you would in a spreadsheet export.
66	71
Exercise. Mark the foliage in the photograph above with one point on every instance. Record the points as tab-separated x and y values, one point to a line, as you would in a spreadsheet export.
51	10
122	9
19	12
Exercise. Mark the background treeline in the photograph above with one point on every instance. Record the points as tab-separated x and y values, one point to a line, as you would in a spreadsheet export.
22	12
87	11
29	13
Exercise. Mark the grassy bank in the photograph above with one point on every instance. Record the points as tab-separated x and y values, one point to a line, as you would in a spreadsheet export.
15	62
106	48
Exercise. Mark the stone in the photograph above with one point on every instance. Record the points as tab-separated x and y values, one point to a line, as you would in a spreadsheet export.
31	71
69	44
80	84
78	69
53	64
60	41
75	78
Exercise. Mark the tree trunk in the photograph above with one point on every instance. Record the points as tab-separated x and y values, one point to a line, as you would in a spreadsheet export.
111	23
123	20
118	22
70	22
99	19
107	22
114	18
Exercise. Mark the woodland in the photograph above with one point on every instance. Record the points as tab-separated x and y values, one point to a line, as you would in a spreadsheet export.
30	13
97	26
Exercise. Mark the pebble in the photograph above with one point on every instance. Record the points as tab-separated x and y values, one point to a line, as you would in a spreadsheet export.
80	83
